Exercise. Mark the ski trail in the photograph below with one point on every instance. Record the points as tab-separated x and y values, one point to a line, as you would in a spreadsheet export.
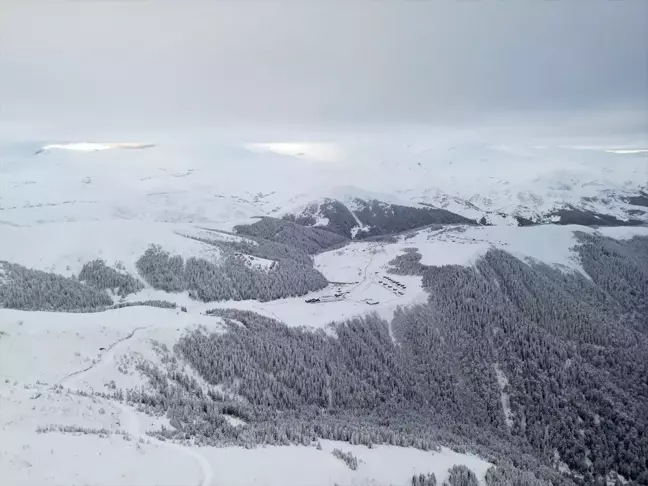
129	421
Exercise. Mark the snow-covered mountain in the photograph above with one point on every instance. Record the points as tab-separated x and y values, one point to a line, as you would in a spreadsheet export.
225	181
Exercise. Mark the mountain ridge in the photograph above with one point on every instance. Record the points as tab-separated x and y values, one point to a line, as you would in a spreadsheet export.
358	218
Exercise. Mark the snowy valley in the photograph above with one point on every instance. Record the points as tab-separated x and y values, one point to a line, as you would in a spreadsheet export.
233	315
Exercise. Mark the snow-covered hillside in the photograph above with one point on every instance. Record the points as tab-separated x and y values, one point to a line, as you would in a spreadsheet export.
345	211
55	432
64	247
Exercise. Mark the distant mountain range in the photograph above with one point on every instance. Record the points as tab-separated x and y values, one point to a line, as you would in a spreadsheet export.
371	190
359	218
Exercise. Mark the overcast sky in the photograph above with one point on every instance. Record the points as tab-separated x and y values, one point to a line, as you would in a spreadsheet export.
150	64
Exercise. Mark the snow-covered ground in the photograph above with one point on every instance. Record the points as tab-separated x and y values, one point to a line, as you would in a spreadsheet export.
62	208
381	465
64	248
462	245
51	435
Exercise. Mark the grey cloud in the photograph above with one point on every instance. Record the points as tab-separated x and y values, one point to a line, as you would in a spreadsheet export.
440	62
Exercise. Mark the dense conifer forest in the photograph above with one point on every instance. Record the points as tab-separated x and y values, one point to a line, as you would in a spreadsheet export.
534	367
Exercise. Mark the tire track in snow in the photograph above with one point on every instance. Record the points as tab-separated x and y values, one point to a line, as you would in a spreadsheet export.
129	421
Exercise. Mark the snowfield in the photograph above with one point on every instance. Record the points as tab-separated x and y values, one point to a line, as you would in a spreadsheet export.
64	248
309	466
463	245
225	180
50	346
